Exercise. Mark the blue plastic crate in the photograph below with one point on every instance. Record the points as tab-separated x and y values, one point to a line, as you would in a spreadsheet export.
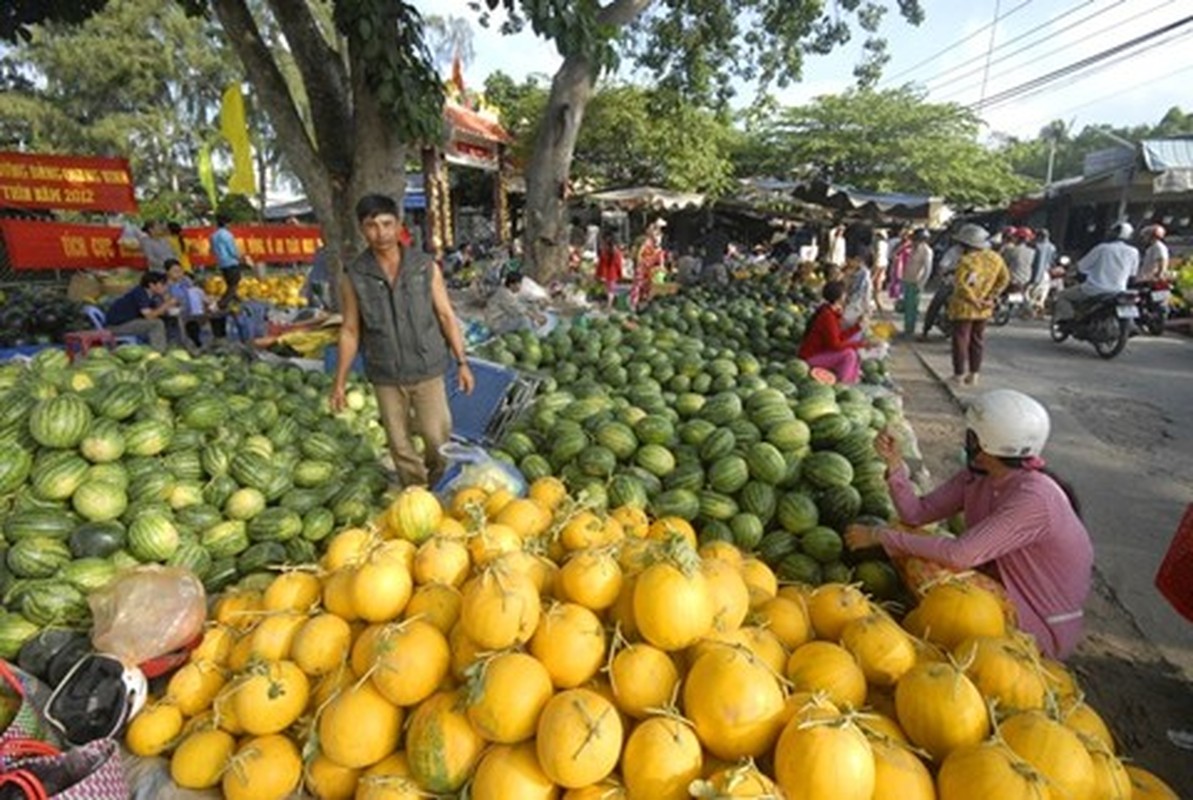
25	350
499	396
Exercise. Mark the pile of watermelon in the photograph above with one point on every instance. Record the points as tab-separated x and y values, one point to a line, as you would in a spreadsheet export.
213	463
699	409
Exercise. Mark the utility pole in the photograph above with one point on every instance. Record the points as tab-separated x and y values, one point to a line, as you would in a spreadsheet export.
989	52
1051	161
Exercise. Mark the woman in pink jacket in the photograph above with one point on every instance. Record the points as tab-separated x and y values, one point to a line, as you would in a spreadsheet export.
1021	525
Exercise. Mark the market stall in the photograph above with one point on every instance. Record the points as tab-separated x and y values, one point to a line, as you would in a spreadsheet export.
652	531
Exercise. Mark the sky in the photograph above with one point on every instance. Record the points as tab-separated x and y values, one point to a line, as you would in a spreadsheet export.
947	55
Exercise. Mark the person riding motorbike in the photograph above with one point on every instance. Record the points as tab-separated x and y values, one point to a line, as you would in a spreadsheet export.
1154	265
1106	269
1041	271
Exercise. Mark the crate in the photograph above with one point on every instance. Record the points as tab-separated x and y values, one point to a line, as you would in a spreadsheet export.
499	397
22	351
1175	576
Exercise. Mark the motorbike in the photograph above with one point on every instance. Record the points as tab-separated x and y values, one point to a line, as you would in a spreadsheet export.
1153	305
1105	321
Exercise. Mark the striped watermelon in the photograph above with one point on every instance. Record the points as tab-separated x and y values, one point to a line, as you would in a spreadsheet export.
766	463
152	536
696	431
317	524
244	504
825	468
722	408
676	503
719	444
313	473
714	505
185	465
597	461
177	384
747	531
626	490
728	474
147	437
88	574
60	422
38	523
226	539
37	557
839	506
618	437
821	543
759	499
251	468
99	502
534	466
797	512
15	465
655	429
655	459
790	435
103	443
56	475
688	404
799	568
775	545
688	474
829	429
56	603
320	446
191	555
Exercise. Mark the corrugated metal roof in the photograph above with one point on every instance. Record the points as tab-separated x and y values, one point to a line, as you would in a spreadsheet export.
1164	154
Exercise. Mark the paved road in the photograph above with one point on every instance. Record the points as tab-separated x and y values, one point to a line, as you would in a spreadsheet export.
1123	436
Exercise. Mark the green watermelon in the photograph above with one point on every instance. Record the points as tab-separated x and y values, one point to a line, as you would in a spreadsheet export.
96	501
675	503
821	543
103	443
152	536
825	468
766	463
60	422
728	474
797	512
56	475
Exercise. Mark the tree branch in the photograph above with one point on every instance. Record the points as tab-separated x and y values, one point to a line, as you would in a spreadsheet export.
323	73
275	97
620	13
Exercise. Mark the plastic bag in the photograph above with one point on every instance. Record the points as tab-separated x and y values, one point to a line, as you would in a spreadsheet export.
148	612
469	465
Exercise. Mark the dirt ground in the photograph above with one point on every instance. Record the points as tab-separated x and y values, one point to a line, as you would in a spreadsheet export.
1137	692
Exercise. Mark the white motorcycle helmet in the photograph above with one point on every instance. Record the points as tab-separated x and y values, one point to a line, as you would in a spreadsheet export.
1009	424
96	699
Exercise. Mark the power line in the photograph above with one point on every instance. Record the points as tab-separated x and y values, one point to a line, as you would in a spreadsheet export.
990	49
1057	114
1063	72
1082	75
961	91
1048	34
955	44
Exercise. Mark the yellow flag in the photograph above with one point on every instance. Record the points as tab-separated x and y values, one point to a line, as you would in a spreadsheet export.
234	126
207	174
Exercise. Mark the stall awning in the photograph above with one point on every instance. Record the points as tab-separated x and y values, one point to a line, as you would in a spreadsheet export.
651	197
465	121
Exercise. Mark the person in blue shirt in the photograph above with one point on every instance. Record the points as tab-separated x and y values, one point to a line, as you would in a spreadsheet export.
139	311
227	258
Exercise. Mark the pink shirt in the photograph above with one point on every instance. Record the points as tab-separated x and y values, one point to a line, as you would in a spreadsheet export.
1023	527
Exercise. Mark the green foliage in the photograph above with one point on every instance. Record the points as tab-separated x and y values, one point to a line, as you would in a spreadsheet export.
237	208
386	39
138	78
883	141
631	136
1029	157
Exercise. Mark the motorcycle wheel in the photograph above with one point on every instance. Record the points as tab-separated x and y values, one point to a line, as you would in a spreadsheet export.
1154	324
944	324
1002	314
1109	348
1056	329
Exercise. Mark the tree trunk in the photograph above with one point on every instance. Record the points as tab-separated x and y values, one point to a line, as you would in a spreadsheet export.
546	234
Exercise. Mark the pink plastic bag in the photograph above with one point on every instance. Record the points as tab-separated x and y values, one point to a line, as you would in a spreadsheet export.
147	612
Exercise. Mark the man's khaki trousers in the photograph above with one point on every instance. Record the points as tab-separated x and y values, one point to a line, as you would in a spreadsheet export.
418	408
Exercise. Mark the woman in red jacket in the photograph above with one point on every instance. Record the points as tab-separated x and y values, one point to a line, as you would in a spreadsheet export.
609	265
825	344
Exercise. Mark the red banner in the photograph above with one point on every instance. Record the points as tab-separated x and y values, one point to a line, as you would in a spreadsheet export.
75	183
264	244
59	245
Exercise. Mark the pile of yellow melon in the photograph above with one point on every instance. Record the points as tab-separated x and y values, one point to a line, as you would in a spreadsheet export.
283	291
533	648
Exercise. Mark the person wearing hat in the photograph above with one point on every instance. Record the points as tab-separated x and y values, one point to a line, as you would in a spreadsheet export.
1105	269
1023	525
1154	265
981	277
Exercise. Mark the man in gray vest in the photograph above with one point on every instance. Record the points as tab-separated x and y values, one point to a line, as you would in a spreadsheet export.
395	305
